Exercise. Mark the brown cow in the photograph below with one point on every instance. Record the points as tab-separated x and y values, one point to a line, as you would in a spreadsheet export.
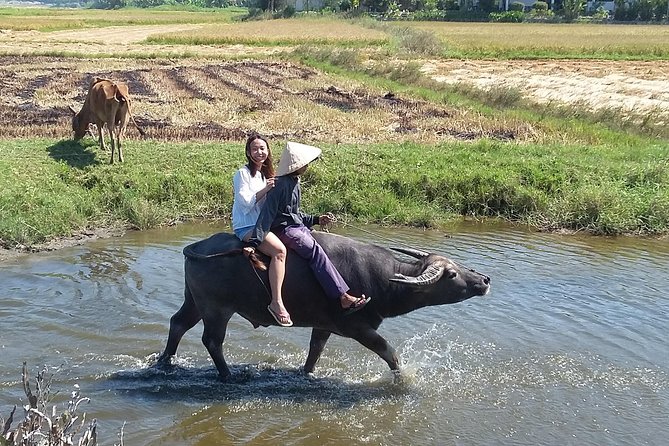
107	103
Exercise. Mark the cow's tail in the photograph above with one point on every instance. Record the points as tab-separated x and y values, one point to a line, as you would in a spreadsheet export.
132	118
253	257
122	95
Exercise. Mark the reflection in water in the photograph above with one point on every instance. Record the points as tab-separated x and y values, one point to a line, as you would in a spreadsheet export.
568	348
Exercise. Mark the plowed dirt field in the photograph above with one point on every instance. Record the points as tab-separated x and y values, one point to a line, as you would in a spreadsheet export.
211	100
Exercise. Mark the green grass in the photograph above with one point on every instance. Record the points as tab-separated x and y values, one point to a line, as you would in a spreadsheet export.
51	188
54	188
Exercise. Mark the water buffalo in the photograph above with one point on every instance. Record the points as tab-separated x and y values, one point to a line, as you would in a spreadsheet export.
220	282
107	102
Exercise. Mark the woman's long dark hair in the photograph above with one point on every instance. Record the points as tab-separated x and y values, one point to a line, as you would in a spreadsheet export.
267	169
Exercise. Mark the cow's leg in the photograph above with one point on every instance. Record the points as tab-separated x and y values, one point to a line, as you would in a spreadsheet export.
316	346
182	321
101	139
111	129
215	326
371	339
119	133
118	145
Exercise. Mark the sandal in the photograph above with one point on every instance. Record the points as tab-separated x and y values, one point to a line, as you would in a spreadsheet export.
359	303
281	319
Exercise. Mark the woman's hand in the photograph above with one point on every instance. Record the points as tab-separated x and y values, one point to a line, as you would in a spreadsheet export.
326	219
269	184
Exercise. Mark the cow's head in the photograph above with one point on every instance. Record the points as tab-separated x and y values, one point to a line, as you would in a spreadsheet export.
78	127
443	281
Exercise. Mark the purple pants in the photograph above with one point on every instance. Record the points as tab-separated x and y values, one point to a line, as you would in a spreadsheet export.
299	239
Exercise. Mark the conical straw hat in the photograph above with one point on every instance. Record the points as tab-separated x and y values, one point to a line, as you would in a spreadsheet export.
296	156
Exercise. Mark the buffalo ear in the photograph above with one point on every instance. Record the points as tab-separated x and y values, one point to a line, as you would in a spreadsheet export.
74	112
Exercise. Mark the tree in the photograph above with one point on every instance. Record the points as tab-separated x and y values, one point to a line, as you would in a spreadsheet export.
109	4
572	9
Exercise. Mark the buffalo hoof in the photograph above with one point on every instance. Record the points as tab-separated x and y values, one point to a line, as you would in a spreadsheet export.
237	378
163	361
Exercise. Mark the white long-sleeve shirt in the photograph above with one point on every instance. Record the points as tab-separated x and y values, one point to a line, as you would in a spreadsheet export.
245	208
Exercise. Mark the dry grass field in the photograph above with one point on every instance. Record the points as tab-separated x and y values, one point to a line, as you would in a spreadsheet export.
286	31
578	38
201	97
50	19
635	88
213	100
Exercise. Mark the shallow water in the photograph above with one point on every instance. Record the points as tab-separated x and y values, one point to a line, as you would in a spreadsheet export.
570	347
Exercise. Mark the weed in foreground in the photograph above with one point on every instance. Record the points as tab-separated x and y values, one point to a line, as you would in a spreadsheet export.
43	424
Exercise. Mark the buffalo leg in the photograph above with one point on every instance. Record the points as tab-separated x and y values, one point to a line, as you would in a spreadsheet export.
182	321
213	337
316	346
375	342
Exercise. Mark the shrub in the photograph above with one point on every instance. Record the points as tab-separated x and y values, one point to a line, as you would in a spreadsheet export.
465	16
253	14
43	424
507	16
646	10
660	10
517	6
627	12
601	14
345	5
540	6
288	11
433	14
488	5
633	11
572	9
418	41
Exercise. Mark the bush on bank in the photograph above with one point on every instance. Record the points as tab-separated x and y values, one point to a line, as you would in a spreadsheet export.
50	189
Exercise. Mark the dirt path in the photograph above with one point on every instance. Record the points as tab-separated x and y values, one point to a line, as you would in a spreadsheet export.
126	40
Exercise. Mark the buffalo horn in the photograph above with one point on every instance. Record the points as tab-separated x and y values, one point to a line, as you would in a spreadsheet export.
431	274
411	252
72	110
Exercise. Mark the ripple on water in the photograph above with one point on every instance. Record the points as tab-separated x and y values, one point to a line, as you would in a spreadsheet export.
569	346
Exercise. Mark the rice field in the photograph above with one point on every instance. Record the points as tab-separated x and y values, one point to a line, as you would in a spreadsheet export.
53	19
279	32
208	100
578	40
